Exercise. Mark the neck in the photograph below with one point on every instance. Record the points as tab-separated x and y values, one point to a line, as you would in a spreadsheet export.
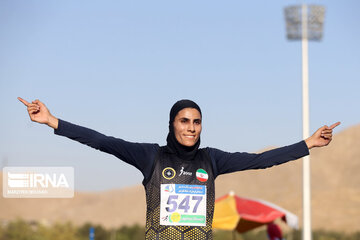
183	152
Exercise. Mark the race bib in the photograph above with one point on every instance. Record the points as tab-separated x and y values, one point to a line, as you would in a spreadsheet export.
183	205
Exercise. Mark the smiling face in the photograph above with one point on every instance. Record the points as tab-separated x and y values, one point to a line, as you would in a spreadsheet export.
187	126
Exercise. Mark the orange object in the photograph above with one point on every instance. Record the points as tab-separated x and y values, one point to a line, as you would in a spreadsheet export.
243	214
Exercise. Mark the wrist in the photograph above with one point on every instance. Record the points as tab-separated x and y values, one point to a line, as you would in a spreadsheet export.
309	143
53	122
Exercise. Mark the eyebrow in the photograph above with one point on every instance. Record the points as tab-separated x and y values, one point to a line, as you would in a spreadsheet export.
187	119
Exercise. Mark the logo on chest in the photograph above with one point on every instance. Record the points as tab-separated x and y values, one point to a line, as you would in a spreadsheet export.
168	173
202	175
182	172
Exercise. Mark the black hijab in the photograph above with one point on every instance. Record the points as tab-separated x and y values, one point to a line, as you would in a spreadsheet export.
183	152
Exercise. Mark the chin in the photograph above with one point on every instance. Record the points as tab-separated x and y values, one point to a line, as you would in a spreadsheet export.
189	144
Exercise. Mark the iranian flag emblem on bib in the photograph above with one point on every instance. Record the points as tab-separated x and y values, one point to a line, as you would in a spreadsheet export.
202	175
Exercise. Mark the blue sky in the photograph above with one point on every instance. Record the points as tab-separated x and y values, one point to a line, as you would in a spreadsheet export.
118	66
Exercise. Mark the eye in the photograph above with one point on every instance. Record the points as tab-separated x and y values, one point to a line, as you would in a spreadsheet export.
183	120
197	122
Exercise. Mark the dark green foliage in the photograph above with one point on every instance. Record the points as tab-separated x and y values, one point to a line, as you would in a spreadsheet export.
22	230
17	230
100	232
130	233
323	235
228	235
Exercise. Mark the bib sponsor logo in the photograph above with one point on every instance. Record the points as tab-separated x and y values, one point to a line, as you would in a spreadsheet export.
202	175
168	173
169	188
175	217
182	172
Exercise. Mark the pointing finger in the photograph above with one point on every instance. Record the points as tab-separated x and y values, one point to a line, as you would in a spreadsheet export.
334	125
23	101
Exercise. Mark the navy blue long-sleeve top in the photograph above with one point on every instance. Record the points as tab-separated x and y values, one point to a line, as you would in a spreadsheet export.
142	155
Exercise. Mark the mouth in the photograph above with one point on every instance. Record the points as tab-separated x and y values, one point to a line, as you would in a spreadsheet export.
190	136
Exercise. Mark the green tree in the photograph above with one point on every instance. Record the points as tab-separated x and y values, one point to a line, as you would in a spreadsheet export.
100	232
65	231
18	230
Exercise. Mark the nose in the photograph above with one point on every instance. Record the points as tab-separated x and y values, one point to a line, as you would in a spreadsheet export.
191	127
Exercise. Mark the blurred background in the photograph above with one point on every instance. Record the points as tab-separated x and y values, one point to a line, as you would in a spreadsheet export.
118	67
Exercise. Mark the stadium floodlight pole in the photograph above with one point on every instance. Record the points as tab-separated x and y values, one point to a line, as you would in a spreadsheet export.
305	23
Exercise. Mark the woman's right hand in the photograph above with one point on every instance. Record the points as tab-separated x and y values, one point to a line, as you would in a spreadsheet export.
38	112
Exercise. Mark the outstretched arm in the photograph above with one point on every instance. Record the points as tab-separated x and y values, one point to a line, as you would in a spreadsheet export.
322	137
38	112
140	155
226	162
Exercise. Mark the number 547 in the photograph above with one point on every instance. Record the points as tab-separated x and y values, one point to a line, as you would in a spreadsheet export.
184	204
